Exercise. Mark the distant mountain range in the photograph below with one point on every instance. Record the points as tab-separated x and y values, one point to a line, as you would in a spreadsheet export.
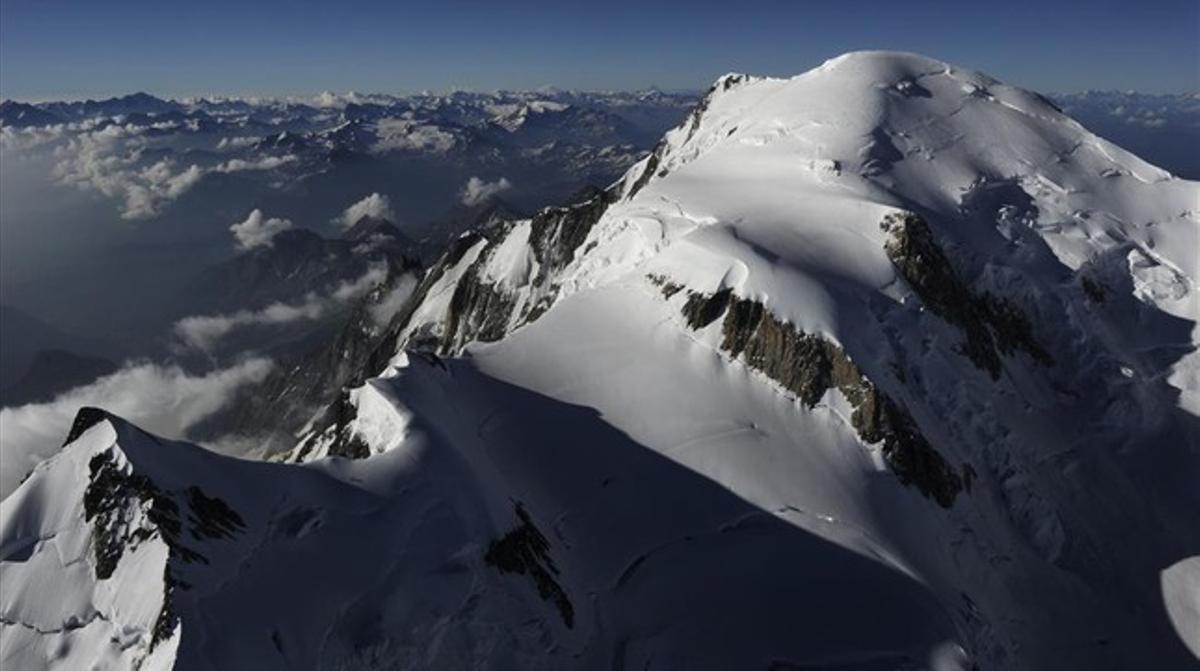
1162	127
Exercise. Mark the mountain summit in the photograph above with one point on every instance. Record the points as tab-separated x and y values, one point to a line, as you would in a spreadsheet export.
888	365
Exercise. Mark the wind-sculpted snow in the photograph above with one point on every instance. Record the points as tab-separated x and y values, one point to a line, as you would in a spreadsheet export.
886	365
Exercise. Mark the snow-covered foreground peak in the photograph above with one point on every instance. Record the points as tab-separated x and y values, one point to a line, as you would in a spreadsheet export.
887	365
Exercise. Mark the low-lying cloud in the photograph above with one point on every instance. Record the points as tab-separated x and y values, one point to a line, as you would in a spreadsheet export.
164	400
203	332
376	206
383	311
237	142
477	190
128	162
258	231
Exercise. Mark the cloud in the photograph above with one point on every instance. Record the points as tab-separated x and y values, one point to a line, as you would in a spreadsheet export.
258	231
33	137
394	134
111	161
203	332
476	190
131	163
376	206
237	142
383	311
355	289
114	159
164	400
265	163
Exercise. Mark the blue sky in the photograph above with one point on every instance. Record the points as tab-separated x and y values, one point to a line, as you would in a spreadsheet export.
68	48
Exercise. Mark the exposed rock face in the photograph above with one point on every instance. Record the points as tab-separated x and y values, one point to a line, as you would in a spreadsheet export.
478	311
211	517
484	311
127	509
808	366
273	410
388	344
648	171
701	310
525	551
666	286
110	491
993	326
333	426
558	231
86	418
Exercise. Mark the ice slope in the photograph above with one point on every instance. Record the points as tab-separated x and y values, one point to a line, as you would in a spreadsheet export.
887	365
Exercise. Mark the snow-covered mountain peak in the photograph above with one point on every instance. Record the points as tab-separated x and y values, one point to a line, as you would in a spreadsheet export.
895	359
891	130
924	262
99	540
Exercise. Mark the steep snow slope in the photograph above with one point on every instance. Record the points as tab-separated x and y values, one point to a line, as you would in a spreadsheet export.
996	304
887	365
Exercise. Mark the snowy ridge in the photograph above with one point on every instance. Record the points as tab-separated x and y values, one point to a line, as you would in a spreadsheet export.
1013	276
892	361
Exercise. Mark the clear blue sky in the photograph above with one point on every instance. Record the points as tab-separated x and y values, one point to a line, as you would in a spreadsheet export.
71	48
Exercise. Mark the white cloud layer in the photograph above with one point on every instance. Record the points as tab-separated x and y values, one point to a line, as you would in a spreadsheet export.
383	311
376	205
121	161
257	230
476	190
406	135
237	142
163	400
203	332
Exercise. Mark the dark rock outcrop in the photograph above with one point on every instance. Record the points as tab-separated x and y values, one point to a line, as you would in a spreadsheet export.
110	503
211	517
272	411
807	366
993	326
556	232
334	426
525	551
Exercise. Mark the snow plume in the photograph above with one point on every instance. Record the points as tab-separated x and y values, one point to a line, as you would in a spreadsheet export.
476	190
163	399
203	332
258	231
376	206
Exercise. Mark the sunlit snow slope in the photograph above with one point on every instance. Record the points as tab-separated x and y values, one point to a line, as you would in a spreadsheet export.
884	366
